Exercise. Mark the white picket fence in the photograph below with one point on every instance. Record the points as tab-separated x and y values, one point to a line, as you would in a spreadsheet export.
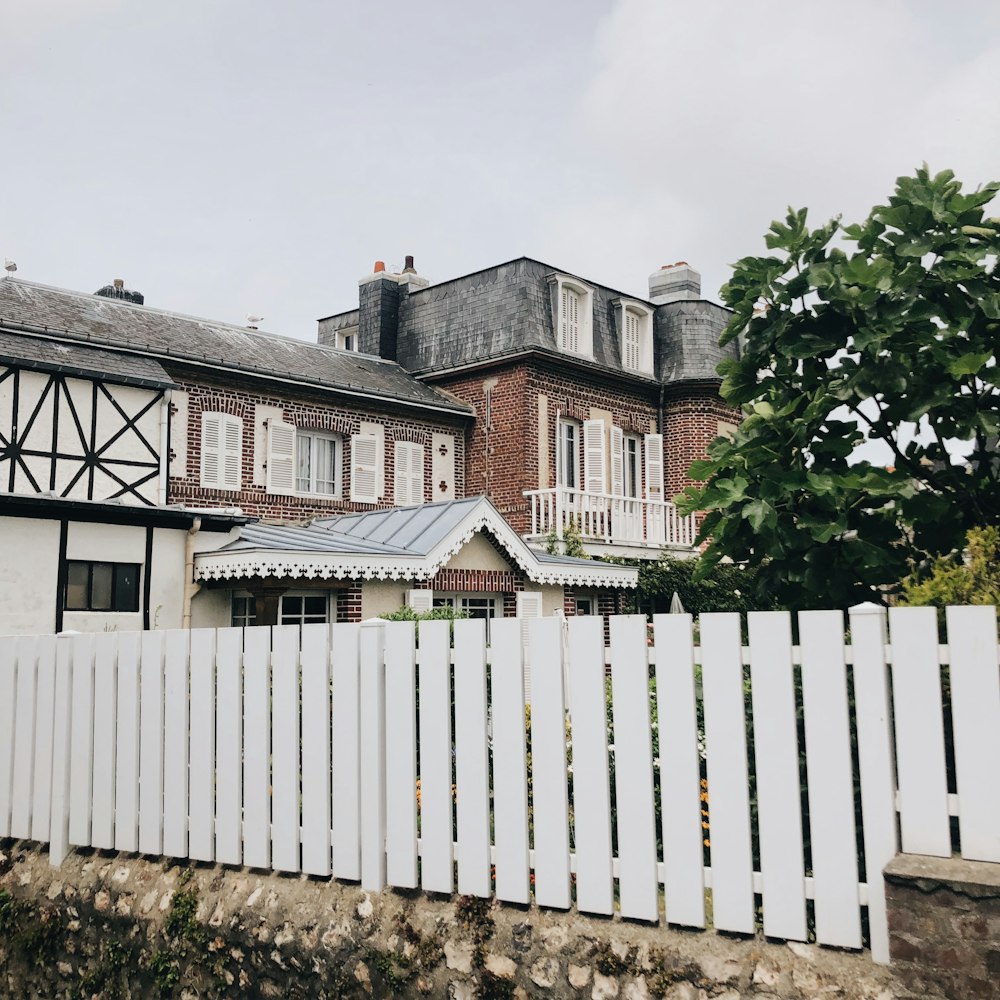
301	751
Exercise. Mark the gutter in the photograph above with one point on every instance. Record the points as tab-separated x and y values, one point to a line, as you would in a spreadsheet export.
191	586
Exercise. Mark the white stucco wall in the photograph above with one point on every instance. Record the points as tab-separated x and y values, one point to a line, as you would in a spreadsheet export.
29	563
379	597
212	609
552	598
478	553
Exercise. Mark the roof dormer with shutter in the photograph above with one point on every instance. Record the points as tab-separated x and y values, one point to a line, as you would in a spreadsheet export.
572	314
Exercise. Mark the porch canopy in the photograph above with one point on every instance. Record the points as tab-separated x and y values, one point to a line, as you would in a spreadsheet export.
401	543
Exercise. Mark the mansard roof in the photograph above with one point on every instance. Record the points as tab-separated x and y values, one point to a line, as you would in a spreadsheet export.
154	333
403	543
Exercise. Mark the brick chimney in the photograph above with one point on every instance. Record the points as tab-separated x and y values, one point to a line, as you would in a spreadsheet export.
674	283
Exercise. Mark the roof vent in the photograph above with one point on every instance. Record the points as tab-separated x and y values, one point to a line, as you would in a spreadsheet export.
117	290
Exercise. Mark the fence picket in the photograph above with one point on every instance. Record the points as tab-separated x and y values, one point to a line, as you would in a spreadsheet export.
372	748
726	756
346	845
82	751
776	756
591	780
875	763
127	744
201	746
24	737
176	696
831	784
975	710
401	754
8	697
510	784
45	706
256	747
285	853
548	760
62	714
680	771
105	728
638	886
316	768
472	774
229	746
435	757
151	743
916	684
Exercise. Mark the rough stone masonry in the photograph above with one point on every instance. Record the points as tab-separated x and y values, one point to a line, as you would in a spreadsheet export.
117	926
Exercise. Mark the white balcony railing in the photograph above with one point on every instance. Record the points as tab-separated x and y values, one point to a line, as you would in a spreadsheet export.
608	519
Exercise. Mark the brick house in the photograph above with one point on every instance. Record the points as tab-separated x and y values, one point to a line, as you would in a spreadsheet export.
589	404
239	423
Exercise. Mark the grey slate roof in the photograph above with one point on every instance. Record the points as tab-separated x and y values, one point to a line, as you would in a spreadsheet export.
166	335
60	356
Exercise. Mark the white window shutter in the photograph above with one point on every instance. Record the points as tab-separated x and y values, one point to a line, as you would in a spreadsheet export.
572	321
280	457
529	605
630	342
401	475
364	468
617	462
416	473
232	468
654	466
594	457
563	318
420	600
211	448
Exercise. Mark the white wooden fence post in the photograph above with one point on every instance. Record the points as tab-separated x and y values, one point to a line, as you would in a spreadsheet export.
875	760
372	685
61	750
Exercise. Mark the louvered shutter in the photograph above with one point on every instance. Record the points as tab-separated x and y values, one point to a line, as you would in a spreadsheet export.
563	318
594	457
654	466
408	474
630	352
617	462
232	463
420	600
280	457
529	605
211	448
364	468
416	473
572	321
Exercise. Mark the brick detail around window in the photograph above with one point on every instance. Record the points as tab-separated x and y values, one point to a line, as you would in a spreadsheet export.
475	581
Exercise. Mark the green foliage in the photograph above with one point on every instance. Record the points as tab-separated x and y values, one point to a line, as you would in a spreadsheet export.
972	577
894	324
407	614
722	587
570	545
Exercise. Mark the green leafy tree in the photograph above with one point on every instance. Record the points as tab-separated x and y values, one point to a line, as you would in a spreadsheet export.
969	577
855	334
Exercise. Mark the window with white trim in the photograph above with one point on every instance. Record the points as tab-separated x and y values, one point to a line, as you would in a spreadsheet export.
301	608
318	459
408	474
574	320
347	339
637	337
632	462
471	606
568	454
221	451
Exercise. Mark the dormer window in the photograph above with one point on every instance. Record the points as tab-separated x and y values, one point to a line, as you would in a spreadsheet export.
636	325
347	339
574	305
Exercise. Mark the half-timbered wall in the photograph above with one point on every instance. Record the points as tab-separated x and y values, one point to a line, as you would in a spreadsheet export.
78	438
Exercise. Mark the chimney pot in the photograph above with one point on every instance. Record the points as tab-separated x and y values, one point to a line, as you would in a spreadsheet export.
408	268
119	282
379	266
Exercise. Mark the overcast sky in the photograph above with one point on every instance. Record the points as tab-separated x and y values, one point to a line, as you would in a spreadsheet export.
231	157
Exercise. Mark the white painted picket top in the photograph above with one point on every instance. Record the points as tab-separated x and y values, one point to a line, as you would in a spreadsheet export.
297	750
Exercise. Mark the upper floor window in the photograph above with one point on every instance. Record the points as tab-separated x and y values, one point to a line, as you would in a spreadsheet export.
318	460
568	454
408	474
574	322
632	465
347	339
221	451
637	337
102	586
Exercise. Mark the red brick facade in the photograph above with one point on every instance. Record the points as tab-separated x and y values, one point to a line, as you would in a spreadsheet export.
307	413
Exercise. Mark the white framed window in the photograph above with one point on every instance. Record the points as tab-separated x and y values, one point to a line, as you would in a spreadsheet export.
574	320
305	607
347	339
221	451
318	461
632	465
408	474
483	606
568	454
636	322
244	611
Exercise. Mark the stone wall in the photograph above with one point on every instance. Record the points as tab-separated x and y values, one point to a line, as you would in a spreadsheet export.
118	926
944	925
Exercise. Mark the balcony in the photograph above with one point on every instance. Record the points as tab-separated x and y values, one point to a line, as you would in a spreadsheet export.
610	525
